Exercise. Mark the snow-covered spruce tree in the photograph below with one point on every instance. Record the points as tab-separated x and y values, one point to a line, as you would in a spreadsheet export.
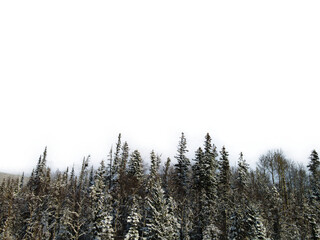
166	177
37	221
237	229
91	177
253	225
242	178
224	175
205	188
313	205
135	174
80	200
31	223
101	209
8	215
82	183
135	168
37	182
182	186
124	160
109	169
161	222
57	197
182	168
40	215
154	168
67	208
277	218
133	222
311	211
314	168
40	172
315	229
314	164
74	206
124	191
159	213
197	191
66	228
117	186
224	193
116	164
208	170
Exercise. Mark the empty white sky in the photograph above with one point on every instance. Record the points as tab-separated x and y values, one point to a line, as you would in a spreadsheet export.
76	73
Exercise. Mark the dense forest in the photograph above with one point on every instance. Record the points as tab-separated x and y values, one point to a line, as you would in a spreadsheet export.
198	198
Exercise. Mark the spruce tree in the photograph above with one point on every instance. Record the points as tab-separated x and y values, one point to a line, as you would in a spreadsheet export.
205	187
224	175
135	177
253	224
166	177
242	177
182	167
66	228
7	230
161	222
224	192
101	209
133	222
182	186
159	213
135	168
314	196
116	163
314	168
236	229
208	169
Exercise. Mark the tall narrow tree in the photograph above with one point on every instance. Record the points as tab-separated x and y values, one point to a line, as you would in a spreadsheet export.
224	192
182	186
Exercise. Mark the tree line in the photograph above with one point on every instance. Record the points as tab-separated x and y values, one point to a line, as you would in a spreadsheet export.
199	198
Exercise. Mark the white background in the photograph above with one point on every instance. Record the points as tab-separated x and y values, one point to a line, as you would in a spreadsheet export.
73	74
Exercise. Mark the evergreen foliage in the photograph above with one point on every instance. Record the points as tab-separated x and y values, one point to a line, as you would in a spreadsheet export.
314	168
133	223
224	191
160	220
182	166
205	199
182	183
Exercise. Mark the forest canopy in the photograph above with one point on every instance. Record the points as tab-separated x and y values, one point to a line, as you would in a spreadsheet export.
198	198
